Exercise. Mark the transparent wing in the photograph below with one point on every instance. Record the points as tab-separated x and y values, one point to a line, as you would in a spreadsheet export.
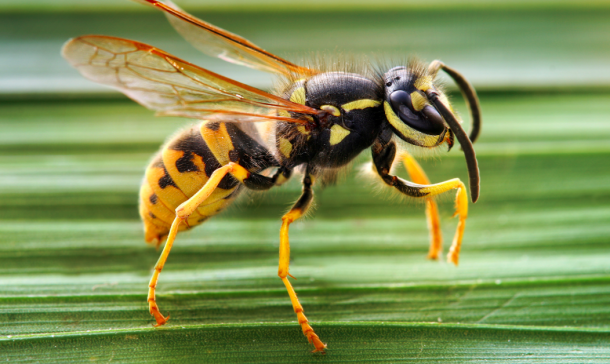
170	85
225	45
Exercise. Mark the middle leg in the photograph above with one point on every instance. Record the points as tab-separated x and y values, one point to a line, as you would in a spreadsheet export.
298	210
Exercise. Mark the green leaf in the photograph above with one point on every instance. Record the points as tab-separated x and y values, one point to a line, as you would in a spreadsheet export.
496	47
532	285
282	5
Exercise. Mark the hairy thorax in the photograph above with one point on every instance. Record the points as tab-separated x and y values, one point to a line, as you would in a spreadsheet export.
352	106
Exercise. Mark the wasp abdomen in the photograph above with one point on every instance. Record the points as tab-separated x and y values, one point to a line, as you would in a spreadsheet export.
185	164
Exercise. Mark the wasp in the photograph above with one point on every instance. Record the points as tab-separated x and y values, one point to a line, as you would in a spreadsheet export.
318	120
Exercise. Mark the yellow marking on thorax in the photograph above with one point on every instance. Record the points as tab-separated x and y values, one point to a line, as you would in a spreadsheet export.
418	101
360	104
303	130
337	134
331	110
425	139
298	95
285	147
219	141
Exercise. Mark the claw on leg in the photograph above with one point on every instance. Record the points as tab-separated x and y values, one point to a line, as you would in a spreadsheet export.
154	310
152	302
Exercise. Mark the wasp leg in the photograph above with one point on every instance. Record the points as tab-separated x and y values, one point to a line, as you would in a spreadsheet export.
298	210
383	157
250	180
418	175
470	95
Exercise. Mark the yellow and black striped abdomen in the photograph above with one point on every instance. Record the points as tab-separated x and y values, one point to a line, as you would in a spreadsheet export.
185	164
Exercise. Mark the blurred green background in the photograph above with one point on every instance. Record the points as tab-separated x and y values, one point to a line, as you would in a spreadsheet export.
533	281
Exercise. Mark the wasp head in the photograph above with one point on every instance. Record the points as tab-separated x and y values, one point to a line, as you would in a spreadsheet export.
409	112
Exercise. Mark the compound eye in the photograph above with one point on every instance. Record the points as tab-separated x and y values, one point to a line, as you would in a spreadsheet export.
427	121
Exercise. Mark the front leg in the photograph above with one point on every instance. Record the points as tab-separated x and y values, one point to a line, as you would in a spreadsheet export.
417	175
383	157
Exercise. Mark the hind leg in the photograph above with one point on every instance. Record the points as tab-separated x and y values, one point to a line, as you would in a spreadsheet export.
250	180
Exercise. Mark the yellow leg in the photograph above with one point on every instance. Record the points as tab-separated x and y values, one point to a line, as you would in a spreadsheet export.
417	175
461	209
152	285
383	157
296	212
182	213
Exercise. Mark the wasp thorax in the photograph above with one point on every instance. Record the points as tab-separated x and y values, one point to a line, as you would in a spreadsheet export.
351	119
407	108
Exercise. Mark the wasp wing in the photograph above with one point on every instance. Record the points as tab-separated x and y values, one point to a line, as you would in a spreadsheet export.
171	86
217	42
